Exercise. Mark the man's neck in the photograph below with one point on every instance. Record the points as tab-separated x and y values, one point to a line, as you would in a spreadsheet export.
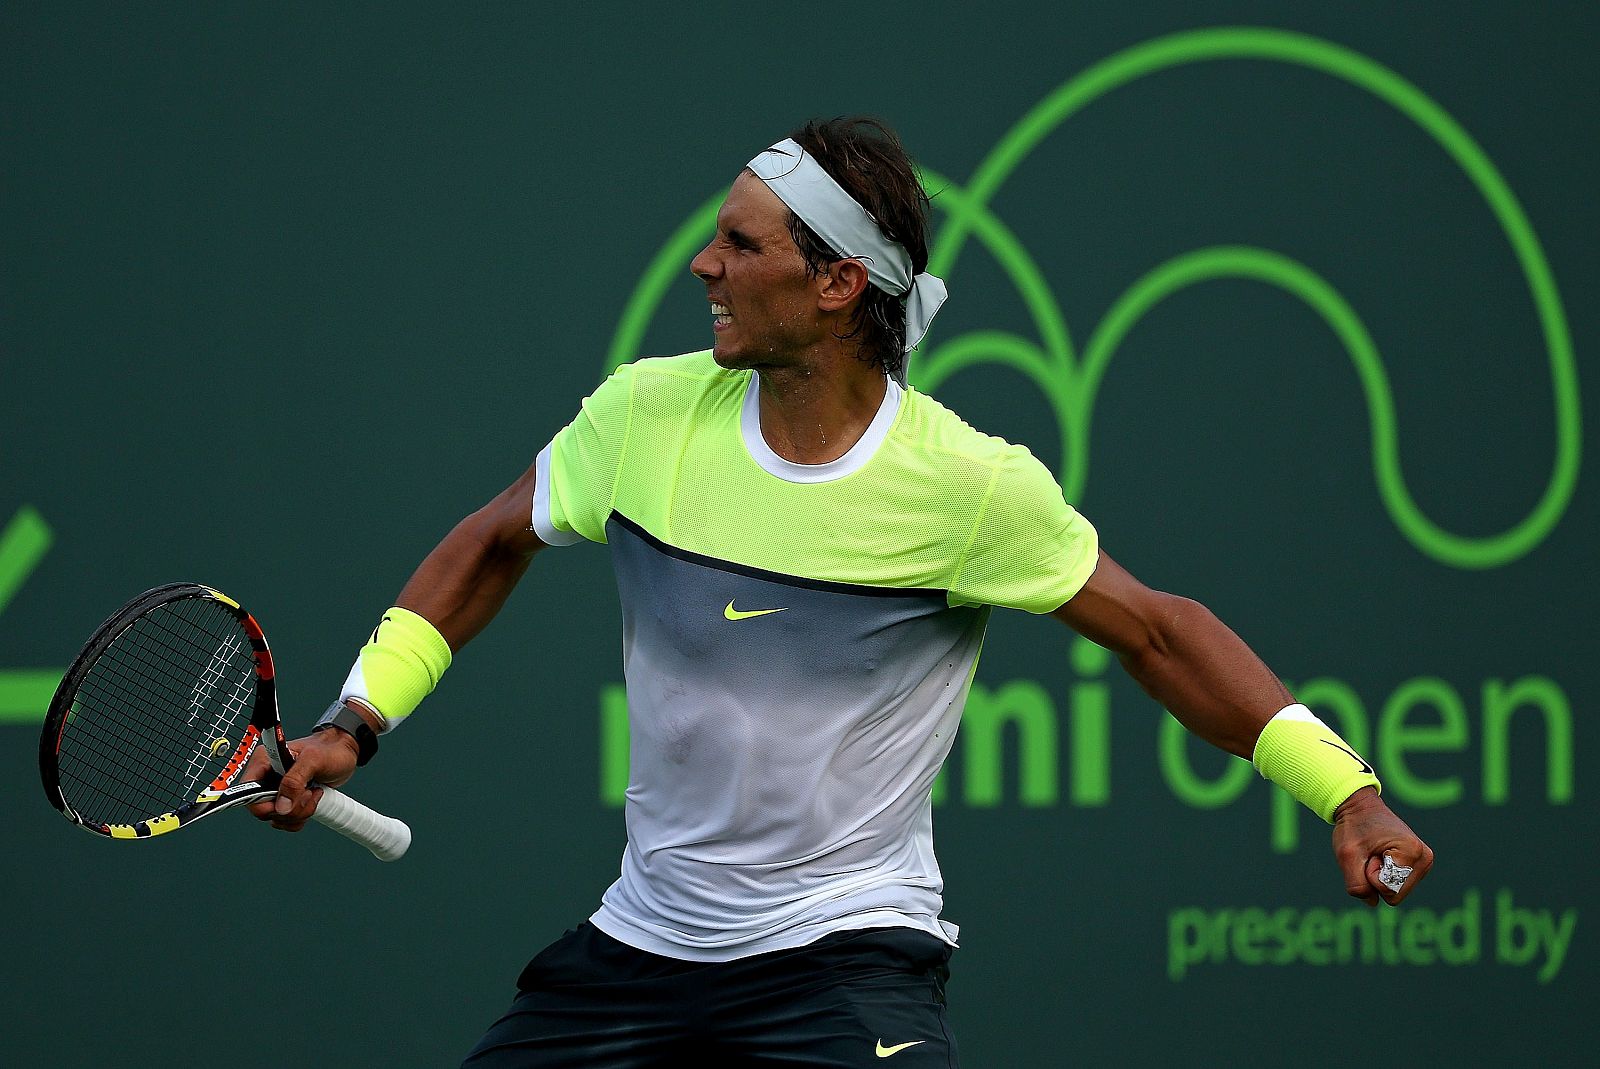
812	414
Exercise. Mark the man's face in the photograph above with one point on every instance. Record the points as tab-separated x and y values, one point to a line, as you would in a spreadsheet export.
764	303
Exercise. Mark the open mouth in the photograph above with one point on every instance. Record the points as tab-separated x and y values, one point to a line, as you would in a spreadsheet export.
720	316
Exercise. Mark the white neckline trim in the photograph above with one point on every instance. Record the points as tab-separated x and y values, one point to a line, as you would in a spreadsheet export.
788	470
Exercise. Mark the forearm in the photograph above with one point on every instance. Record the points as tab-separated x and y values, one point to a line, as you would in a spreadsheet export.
453	594
1191	663
1206	676
1219	689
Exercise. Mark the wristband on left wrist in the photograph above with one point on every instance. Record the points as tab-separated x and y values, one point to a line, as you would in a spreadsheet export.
1305	757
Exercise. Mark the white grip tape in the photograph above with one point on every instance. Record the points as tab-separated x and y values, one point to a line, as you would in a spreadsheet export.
386	837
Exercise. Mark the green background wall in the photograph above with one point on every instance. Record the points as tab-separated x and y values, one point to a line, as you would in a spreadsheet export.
287	289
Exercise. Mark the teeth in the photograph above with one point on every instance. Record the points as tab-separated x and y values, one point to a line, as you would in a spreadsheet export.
718	309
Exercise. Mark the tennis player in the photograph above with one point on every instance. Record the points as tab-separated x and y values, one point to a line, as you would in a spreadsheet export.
807	552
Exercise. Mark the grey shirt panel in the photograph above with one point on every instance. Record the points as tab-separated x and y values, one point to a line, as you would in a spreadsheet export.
781	761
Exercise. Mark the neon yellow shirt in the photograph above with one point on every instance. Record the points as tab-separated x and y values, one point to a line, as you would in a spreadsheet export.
798	644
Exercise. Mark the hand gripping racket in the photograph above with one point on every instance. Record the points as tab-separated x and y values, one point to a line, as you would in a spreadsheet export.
156	718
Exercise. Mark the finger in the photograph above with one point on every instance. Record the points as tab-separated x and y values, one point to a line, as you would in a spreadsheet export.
254	768
1424	864
301	813
1367	895
292	790
1356	884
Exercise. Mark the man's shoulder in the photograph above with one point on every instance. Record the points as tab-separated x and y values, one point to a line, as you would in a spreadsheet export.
660	390
675	380
933	427
697	365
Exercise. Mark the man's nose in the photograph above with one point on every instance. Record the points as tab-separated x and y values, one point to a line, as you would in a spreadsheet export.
705	265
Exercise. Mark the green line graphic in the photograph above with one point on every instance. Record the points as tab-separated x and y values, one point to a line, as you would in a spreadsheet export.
1071	382
23	544
24	693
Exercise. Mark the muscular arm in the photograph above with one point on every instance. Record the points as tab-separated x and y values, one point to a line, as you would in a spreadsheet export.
459	587
1181	654
1205	675
462	584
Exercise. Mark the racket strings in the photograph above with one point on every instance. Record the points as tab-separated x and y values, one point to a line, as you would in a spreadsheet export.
114	759
157	713
129	772
236	699
231	657
122	768
106	751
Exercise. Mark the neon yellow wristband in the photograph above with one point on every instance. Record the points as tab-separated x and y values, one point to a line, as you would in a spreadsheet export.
398	667
1308	759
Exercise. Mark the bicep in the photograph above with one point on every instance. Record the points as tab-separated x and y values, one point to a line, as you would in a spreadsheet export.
1115	610
508	519
501	529
1181	654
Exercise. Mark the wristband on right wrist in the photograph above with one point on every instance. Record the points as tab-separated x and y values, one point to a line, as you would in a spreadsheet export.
1307	758
398	667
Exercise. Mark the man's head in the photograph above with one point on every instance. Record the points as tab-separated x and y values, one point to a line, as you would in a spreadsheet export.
784	286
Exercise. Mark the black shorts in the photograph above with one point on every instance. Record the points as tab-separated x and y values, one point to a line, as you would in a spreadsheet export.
869	997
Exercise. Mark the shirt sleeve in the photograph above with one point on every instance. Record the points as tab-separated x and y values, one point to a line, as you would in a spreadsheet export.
576	477
1029	549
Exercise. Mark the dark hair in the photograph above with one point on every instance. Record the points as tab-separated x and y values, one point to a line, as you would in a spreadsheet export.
865	157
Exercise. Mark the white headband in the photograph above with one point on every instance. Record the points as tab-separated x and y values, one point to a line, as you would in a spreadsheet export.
848	229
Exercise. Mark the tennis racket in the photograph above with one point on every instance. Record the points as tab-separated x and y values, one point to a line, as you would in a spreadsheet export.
155	720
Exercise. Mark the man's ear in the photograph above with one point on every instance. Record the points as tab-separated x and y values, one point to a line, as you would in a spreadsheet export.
843	284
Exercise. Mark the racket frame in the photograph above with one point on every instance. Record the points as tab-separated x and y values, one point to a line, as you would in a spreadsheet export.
224	791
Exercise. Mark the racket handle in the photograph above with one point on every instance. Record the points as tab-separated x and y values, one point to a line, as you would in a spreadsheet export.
386	837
